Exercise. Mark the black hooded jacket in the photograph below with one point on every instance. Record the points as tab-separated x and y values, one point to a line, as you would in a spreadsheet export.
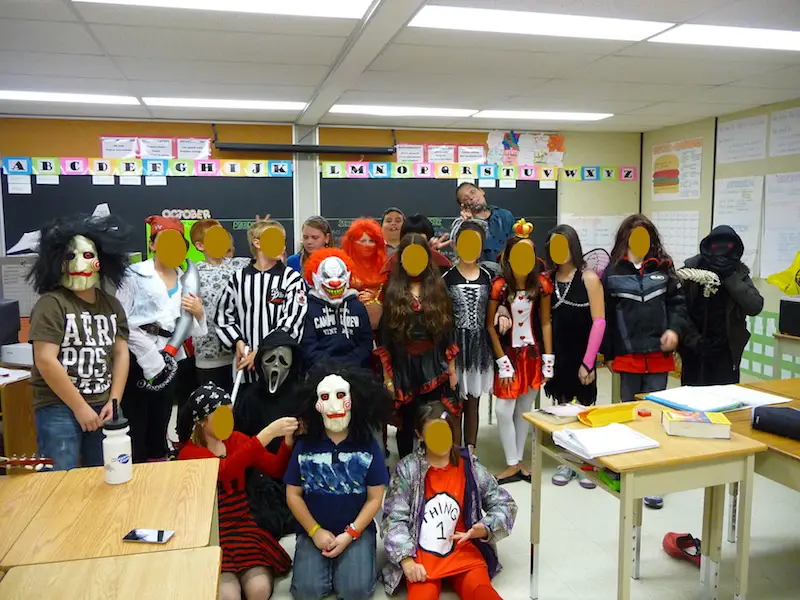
739	299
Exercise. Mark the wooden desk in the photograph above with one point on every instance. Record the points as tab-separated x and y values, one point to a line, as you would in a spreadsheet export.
789	388
87	518
785	344
19	424
21	497
678	464
178	575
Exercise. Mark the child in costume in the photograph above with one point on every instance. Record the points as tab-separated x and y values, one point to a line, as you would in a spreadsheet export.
317	234
337	324
645	315
153	299
79	334
251	557
335	484
443	515
264	296
364	244
214	362
524	355
468	285
578	314
416	343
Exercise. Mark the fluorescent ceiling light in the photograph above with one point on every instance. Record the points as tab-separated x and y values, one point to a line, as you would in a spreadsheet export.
344	9
541	115
71	98
224	103
530	23
732	37
400	111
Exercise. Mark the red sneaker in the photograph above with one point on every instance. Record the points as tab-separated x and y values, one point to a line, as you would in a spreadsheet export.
683	546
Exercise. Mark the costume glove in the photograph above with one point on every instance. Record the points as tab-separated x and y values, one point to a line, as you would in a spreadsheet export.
505	369
548	365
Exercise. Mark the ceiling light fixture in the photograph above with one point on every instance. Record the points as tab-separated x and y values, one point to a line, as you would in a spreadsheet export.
531	23
542	115
343	9
26	96
224	103
400	111
731	37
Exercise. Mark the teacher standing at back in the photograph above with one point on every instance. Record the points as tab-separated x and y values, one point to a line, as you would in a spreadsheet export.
472	201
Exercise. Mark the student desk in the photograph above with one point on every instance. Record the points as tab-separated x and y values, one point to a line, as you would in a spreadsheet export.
785	344
86	518
678	464
21	497
19	424
177	575
781	463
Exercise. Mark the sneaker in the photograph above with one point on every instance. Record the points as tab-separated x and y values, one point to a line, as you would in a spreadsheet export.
683	546
563	475
585	482
654	502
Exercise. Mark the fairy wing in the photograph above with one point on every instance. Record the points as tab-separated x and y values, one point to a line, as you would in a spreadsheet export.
597	260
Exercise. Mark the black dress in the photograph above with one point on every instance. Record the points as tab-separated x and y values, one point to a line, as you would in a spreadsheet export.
572	323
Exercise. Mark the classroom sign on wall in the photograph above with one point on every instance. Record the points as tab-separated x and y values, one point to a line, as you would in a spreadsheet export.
676	170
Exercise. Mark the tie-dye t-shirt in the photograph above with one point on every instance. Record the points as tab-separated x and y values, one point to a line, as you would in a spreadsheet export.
335	478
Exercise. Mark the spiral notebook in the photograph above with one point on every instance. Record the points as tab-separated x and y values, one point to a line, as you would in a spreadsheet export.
594	442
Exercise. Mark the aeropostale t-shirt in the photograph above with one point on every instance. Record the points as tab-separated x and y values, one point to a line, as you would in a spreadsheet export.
86	333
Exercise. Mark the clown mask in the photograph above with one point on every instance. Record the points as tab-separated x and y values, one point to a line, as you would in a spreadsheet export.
82	265
334	403
332	280
275	366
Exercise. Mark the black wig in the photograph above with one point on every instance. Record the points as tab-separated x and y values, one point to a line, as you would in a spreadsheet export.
108	234
371	403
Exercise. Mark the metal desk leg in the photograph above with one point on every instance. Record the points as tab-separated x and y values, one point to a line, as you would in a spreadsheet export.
626	529
637	536
733	506
491	407
713	513
536	510
743	545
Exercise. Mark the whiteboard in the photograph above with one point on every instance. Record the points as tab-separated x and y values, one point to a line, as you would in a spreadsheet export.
781	235
742	139
594	231
679	231
738	202
784	133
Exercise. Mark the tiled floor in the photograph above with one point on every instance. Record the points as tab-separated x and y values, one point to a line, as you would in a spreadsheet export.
579	541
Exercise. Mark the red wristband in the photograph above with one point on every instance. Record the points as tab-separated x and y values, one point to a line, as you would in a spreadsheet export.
351	531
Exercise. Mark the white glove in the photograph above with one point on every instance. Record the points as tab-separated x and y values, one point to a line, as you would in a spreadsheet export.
548	365
506	370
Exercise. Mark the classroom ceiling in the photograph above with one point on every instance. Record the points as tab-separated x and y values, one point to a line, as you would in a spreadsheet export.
72	47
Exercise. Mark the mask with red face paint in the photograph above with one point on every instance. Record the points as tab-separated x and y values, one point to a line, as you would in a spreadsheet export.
82	265
334	403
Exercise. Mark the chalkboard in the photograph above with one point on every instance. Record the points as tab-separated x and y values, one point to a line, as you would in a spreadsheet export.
343	200
234	201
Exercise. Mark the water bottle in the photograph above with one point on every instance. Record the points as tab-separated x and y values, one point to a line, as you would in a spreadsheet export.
117	448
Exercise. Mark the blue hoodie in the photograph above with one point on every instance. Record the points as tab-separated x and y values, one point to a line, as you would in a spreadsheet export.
337	332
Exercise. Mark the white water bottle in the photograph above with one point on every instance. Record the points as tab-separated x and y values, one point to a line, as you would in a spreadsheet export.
117	448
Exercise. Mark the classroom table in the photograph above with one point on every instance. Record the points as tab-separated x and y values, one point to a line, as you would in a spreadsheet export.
785	344
19	424
177	575
21	497
781	462
679	464
85	517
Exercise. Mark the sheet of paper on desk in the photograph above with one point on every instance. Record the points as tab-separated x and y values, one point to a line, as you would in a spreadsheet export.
603	441
714	398
12	375
564	410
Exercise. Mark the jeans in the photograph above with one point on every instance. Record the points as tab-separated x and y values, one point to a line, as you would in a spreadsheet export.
60	438
351	576
641	383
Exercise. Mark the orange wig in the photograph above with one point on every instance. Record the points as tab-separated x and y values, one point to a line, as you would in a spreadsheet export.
315	259
367	260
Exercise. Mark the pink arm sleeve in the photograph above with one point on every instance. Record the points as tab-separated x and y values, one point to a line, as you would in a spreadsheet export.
595	339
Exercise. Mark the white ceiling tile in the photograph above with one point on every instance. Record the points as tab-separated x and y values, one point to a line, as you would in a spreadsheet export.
767	14
691	52
65	65
432	59
208	71
75	85
53	109
373	121
409	81
616	90
666	70
575	104
738	94
177	89
213	20
691	110
449	99
39	10
217	114
152	42
43	36
782	79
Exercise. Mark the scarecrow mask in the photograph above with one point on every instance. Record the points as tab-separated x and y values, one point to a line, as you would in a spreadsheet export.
332	279
334	403
275	366
82	265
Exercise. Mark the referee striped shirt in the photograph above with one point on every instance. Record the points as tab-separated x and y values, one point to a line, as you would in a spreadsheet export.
256	303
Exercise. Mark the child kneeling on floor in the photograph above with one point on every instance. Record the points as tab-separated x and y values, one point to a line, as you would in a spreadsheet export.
442	516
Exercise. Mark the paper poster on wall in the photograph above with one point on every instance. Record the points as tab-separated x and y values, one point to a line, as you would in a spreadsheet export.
441	153
737	203
676	170
471	154
157	147
119	147
742	139
594	231
781	237
411	153
193	148
784	132
679	230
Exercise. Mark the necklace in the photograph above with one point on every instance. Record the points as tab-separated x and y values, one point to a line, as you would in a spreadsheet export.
562	299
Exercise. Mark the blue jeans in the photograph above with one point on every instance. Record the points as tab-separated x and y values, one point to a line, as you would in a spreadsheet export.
59	437
351	576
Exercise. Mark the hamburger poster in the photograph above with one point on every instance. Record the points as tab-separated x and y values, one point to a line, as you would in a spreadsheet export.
676	170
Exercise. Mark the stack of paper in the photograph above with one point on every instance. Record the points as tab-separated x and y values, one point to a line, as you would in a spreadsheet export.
12	375
603	441
713	398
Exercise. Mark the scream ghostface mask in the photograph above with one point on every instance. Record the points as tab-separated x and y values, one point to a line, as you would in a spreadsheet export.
82	267
334	403
332	280
275	366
